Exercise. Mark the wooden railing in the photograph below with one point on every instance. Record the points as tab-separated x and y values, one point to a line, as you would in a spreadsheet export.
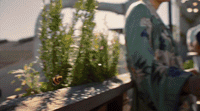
106	96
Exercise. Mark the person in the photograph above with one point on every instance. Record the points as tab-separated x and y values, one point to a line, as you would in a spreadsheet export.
154	62
193	39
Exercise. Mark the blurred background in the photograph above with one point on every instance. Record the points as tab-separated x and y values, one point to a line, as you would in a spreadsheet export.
18	17
18	20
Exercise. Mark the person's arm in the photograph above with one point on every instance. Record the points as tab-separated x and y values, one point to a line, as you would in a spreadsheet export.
189	40
192	86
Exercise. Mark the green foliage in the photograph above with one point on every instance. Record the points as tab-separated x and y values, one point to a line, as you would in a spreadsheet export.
188	64
44	87
54	52
55	48
115	57
94	61
28	76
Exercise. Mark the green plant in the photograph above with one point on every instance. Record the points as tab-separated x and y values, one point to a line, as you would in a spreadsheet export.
106	58
55	48
30	77
94	61
188	64
115	56
82	72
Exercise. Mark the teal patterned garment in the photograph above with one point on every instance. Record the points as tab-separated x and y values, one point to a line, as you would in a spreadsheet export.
153	60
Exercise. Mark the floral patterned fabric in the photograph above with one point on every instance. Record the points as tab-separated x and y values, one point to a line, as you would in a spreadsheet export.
154	62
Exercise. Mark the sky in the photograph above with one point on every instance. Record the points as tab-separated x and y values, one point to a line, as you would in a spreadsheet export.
18	18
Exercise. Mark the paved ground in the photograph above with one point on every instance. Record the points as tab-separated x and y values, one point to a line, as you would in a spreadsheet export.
13	56
13	52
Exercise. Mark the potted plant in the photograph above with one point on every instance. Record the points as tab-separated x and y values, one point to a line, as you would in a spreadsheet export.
64	65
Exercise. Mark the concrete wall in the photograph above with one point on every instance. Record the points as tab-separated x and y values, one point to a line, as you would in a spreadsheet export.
187	20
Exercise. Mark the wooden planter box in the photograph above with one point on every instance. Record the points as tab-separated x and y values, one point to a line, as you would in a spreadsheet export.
110	94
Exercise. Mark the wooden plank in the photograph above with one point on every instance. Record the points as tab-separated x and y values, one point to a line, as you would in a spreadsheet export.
80	98
97	100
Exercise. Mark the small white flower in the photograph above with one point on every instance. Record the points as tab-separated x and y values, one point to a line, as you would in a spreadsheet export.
58	32
40	29
49	37
99	64
42	67
102	47
40	21
38	85
61	28
48	29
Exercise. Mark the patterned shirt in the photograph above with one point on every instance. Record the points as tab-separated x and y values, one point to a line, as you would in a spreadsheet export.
153	60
